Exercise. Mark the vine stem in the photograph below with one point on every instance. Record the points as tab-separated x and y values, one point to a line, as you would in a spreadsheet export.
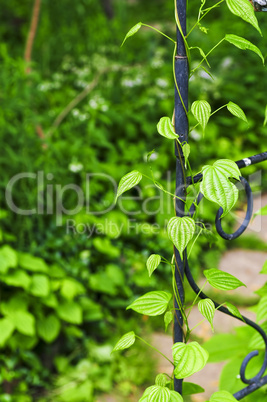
211	50
152	347
157	30
204	15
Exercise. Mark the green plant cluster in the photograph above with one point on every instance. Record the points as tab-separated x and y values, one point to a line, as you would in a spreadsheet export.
63	295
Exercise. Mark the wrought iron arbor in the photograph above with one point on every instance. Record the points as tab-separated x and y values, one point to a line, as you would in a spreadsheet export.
182	182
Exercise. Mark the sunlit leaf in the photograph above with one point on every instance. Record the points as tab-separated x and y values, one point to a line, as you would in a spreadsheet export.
243	44
125	341
201	110
236	111
264	268
262	211
234	310
186	152
215	185
166	128
257	341
6	329
244	10
222	396
207	309
156	393
188	358
175	397
168	317
128	181
48	328
152	263
132	31
181	231
222	280
151	303
161	380
262	309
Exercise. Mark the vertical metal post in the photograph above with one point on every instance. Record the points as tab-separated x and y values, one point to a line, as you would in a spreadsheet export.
181	128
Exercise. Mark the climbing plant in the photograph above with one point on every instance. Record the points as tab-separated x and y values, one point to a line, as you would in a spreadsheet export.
218	183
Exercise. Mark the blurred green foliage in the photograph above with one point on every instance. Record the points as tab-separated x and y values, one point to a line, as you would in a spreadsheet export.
64	292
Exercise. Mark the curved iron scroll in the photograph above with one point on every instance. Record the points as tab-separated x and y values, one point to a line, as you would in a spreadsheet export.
258	380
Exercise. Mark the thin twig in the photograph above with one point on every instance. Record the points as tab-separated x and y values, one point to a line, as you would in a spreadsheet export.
31	34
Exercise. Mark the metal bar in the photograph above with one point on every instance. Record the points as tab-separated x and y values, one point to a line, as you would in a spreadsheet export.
250	388
181	128
242	163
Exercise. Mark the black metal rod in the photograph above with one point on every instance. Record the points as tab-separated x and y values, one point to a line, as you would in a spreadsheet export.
181	128
242	163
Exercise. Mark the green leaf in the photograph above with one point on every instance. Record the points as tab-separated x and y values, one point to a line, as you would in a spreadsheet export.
175	397
71	288
257	341
125	341
151	303
8	258
181	231
234	310
48	328
262	211
6	329
24	322
152	263
201	110
265	118
236	111
70	312
158	393
186	152
132	31
161	380
215	185
128	181
244	10
207	309
222	280
262	309
222	347
40	285
222	396
189	388
188	359
168	317
17	278
166	129
264	268
31	263
243	44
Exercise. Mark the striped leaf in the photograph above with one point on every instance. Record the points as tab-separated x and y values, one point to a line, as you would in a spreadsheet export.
207	309
166	129
236	111
151	303
125	342
244	10
188	358
128	181
132	32
262	309
181	231
201	110
159	394
152	263
244	44
222	280
215	185
222	396
175	397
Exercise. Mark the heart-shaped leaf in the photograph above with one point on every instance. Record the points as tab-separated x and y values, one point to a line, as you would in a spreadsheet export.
128	181
166	129
244	44
188	358
125	341
236	111
181	231
151	303
244	10
175	397
222	396
132	32
48	328
207	309
156	393
152	263
201	111
222	280
215	185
